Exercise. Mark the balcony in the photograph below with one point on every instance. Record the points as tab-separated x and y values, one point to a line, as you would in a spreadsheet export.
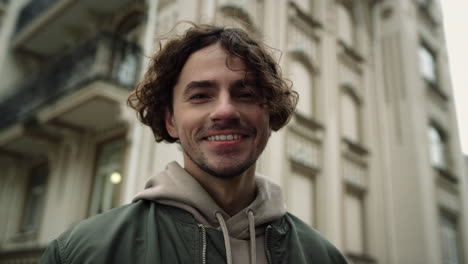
29	256
32	10
107	58
45	27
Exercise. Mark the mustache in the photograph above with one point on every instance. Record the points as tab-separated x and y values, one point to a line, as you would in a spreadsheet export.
219	127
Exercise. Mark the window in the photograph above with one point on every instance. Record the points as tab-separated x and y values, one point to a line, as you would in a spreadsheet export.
350	117
108	176
126	50
354	221
427	65
301	196
346	25
438	147
35	196
126	67
450	240
424	3
303	84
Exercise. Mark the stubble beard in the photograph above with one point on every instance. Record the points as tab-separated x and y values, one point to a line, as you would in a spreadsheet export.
231	173
201	161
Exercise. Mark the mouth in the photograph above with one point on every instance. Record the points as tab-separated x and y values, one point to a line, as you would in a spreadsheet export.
226	137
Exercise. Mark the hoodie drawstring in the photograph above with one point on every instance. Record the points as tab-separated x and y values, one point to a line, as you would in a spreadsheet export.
253	250
227	242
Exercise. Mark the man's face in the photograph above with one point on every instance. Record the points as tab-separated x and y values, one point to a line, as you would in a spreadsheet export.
221	126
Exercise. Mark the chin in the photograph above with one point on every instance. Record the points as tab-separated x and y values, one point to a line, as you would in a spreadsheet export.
227	172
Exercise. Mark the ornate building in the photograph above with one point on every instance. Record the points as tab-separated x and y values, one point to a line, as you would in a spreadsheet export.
371	158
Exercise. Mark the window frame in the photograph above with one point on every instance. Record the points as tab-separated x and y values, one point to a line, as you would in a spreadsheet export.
351	191
447	215
27	198
312	176
93	205
347	90
424	47
442	146
300	58
348	6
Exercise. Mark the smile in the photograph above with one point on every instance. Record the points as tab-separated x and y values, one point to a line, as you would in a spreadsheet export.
224	137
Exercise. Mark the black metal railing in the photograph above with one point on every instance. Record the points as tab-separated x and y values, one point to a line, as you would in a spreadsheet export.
108	57
32	10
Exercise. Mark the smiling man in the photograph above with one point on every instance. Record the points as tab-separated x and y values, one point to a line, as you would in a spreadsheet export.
219	94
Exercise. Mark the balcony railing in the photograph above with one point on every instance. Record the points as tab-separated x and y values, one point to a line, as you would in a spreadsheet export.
32	10
107	57
28	256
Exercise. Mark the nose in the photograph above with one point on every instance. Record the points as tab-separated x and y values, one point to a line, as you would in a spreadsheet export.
225	109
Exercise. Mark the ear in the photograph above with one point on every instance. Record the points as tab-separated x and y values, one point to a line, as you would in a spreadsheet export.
170	124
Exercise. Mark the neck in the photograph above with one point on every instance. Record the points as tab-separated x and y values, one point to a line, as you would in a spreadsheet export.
233	194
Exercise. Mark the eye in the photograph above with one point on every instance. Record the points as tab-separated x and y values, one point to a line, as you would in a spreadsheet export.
198	96
246	95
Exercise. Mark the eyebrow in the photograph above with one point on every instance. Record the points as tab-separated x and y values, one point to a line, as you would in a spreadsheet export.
210	84
198	84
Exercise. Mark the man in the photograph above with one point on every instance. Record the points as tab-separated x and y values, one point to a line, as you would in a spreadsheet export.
219	94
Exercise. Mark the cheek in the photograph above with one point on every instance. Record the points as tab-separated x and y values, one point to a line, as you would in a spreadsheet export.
263	124
187	126
266	119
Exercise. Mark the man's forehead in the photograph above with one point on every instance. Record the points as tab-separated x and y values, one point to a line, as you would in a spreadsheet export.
217	50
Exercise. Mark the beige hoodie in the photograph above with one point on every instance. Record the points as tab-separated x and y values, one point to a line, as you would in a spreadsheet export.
175	187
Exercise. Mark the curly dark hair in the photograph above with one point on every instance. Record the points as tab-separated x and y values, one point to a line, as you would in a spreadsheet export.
153	95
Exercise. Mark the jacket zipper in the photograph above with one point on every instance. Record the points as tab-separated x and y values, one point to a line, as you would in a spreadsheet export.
267	250
203	233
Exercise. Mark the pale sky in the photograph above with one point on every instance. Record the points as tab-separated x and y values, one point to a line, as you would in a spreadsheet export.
456	33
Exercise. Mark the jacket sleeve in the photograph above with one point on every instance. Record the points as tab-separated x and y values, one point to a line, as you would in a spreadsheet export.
335	254
52	254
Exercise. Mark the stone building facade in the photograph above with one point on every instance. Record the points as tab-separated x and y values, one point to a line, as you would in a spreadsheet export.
371	158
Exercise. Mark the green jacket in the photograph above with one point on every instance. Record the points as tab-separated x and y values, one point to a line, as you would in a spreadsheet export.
149	232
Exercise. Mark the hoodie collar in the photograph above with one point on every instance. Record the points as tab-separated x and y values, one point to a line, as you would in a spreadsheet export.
176	187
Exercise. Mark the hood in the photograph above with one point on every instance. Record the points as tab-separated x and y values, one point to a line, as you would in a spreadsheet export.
176	187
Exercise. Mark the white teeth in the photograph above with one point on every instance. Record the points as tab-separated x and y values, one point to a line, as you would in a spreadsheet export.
224	137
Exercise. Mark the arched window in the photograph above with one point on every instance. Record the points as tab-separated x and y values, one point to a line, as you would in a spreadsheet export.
302	196
108	176
35	198
346	25
303	83
438	147
354	223
451	253
427	64
350	116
